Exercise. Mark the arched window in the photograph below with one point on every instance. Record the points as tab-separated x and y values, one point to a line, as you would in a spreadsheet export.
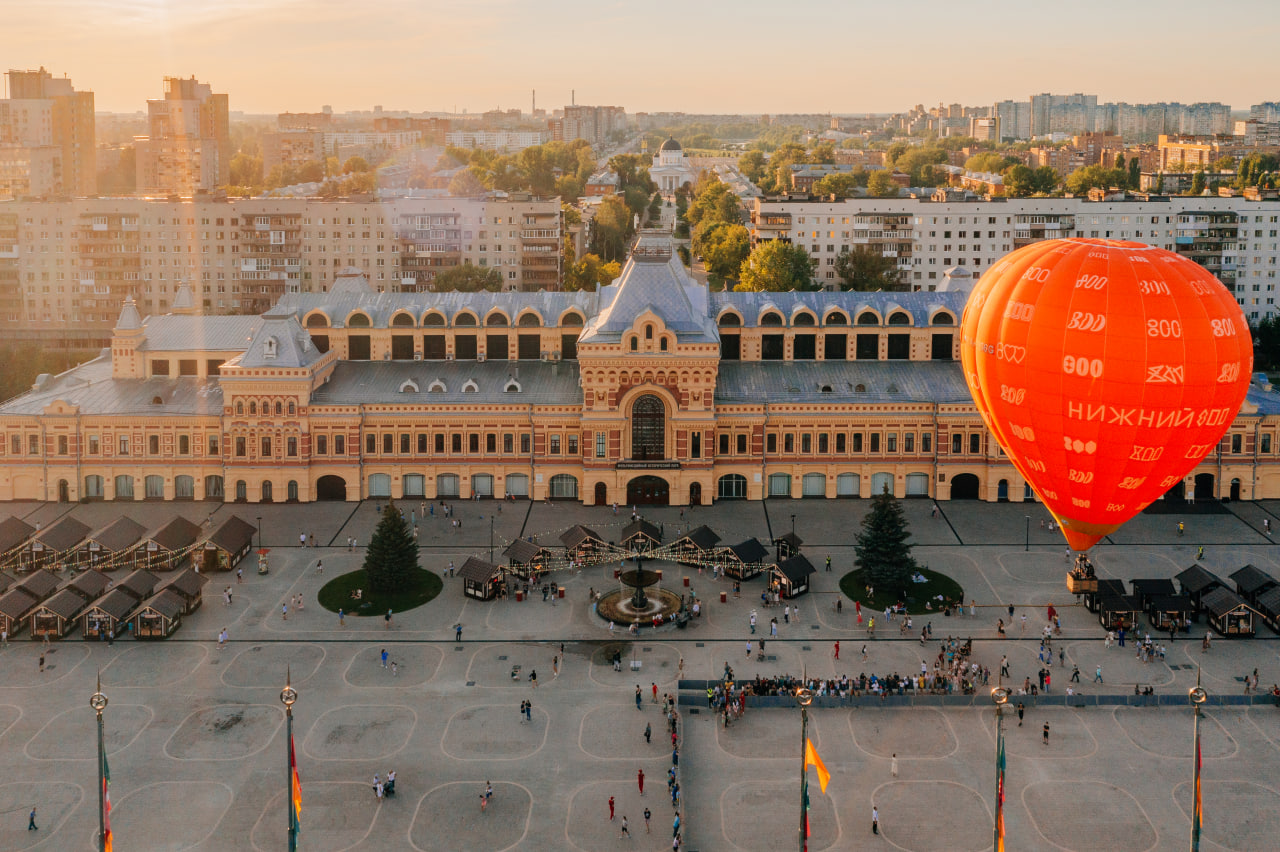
213	487
155	400
184	488
293	408
358	320
530	320
433	320
239	407
648	428
496	320
292	491
771	319
868	318
93	487
465	319
266	491
732	486
837	318
253	407
242	491
402	319
943	318
899	318
279	407
317	321
648	332
564	487
634	344
804	318
662	344
571	318
730	321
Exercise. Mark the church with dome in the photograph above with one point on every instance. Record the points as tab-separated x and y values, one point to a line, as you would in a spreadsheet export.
671	169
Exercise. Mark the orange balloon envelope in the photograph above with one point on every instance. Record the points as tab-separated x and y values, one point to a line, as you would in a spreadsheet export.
1107	370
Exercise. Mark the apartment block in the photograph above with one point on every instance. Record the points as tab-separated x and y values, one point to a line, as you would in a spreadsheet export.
189	146
47	137
593	123
291	149
1236	238
66	266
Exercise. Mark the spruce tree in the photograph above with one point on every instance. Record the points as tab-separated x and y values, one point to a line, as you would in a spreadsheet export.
882	551
392	556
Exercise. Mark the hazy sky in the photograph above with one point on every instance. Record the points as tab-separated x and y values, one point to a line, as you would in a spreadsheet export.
691	55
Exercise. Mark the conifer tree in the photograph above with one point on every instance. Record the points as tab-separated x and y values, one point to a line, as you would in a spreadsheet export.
882	551
392	556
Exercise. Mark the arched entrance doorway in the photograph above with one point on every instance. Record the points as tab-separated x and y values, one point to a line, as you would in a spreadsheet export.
601	494
1177	492
648	429
695	493
331	488
64	491
965	487
1204	487
648	491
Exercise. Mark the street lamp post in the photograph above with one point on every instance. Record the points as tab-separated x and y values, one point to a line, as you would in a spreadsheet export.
490	539
98	701
288	696
793	525
1198	696
1000	697
259	532
1027	547
804	697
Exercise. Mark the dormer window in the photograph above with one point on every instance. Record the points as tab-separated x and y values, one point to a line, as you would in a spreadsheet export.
408	386
269	348
470	386
512	386
648	332
155	400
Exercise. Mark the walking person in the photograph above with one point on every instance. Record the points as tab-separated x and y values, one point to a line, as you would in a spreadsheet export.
655	692
875	820
1097	675
386	620
222	639
640	780
1021	709
638	696
893	765
342	618
836	650
626	832
646	820
1045	740
611	809
648	733
31	821
384	658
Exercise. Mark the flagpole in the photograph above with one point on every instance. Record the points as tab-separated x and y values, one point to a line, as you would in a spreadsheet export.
1198	696
1000	697
98	701
804	697
288	696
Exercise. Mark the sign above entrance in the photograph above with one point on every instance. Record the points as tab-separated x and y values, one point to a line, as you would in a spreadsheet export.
648	465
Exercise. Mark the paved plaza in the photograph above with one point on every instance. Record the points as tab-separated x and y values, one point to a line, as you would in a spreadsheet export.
196	735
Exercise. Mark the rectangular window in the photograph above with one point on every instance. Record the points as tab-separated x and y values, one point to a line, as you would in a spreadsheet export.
573	445
93	445
525	444
926	442
975	443
788	443
388	441
724	444
405	443
491	443
62	445
1237	443
184	445
857	442
124	445
555	445
841	442
957	444
266	448
909	442
240	447
1266	443
339	445
291	447
824	443
322	445
509	443
891	442
214	449
806	443
473	444
440	444
455	443
695	445
742	445
602	445
422	443
875	442
771	442
370	444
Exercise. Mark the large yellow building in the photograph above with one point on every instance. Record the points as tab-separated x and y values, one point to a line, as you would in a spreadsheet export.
652	390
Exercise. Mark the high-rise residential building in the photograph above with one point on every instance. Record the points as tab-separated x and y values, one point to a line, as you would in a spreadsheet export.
1265	112
189	146
593	123
1015	119
47	144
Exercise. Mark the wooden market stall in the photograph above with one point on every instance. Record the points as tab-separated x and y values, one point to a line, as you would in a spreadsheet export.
1119	612
1106	589
1146	589
1165	611
109	614
744	560
167	547
641	536
697	547
480	579
1251	582
1228	613
50	546
15	605
104	549
159	615
13	532
230	542
39	584
581	542
1196	583
525	559
188	584
787	545
55	617
89	585
5	582
1268	606
139	584
792	576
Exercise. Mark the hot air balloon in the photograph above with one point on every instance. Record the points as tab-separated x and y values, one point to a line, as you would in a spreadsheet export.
1106	370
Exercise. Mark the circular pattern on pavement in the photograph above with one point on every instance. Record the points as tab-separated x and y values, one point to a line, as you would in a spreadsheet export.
1069	736
360	732
1238	815
751	816
54	803
166	813
1168	733
488	732
913	816
269	664
1057	808
154	664
225	732
756	735
342	813
415	664
449	819
73	734
616	732
882	733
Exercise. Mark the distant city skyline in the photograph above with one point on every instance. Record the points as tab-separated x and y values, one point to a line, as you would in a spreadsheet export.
294	55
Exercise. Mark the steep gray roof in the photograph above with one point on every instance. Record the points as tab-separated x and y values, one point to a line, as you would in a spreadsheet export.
168	603
16	603
803	381
62	535
129	319
183	300
173	332
139	584
91	387
117	603
13	532
89	584
540	382
176	534
119	534
280	341
653	279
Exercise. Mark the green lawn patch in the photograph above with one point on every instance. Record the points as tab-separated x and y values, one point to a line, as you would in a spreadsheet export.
855	588
336	594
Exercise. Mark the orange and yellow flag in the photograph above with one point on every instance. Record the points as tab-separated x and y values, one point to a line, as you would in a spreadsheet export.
811	759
